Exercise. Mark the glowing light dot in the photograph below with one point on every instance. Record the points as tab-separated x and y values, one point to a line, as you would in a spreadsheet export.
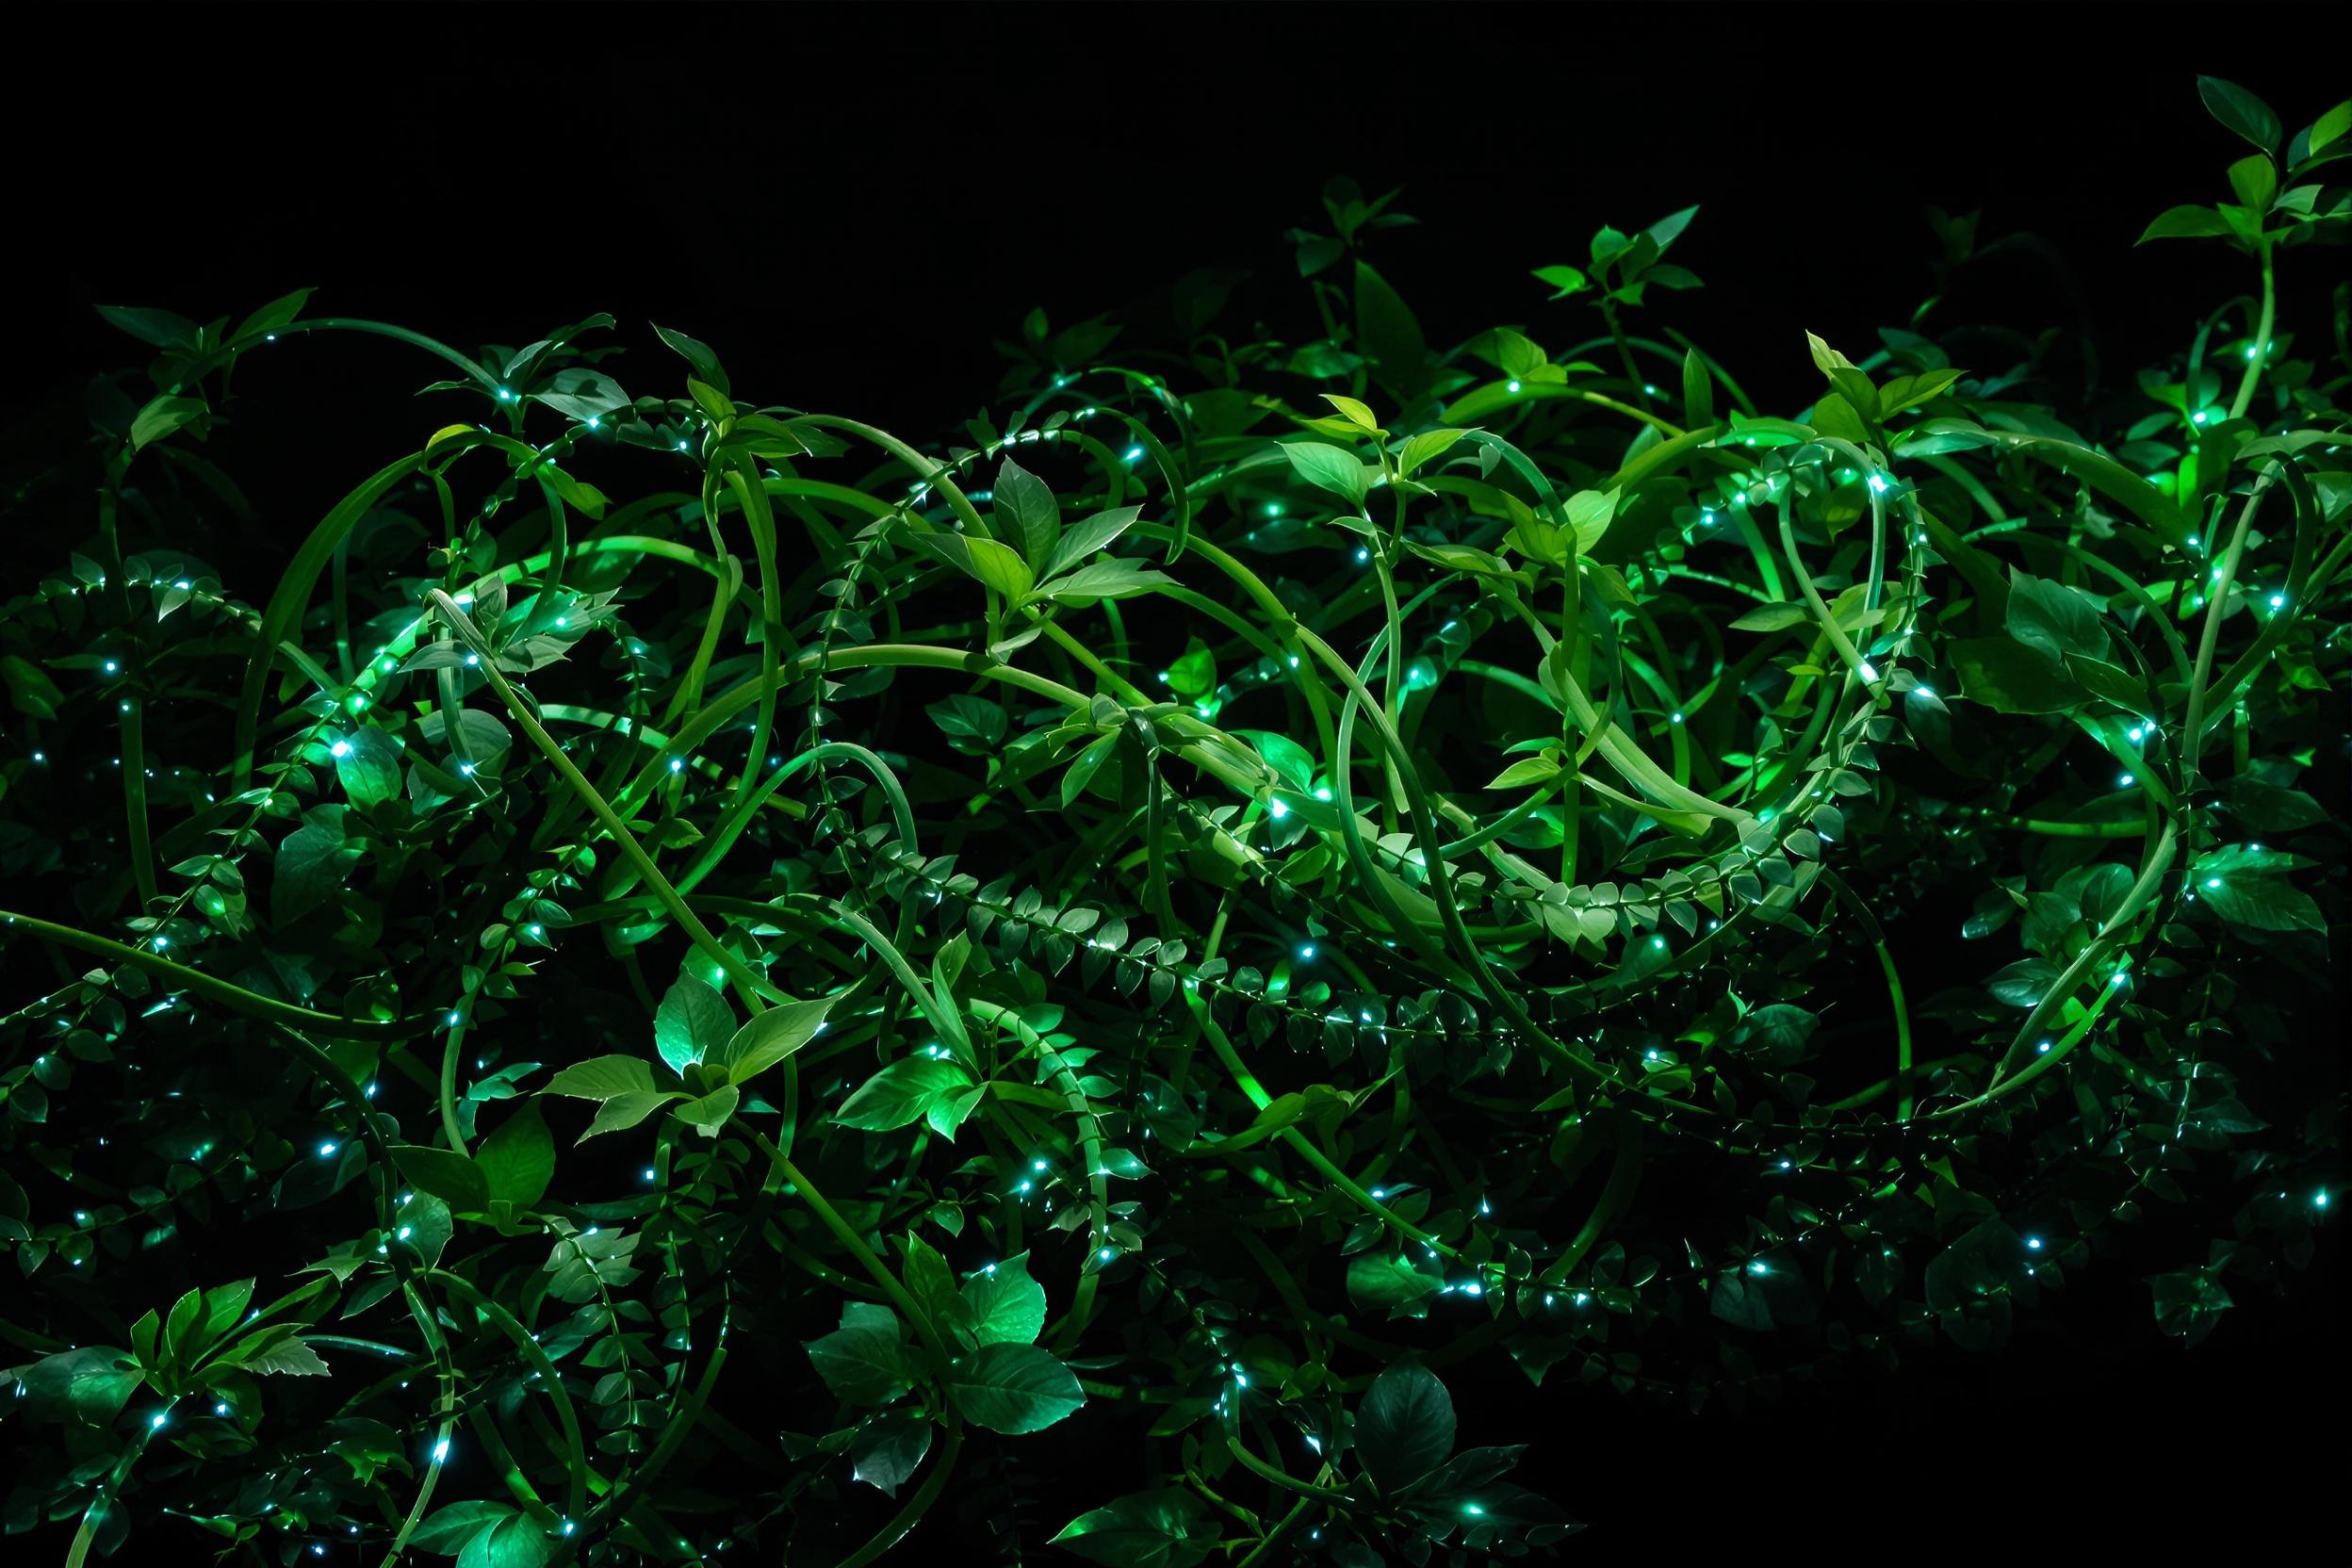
326	1149
341	748
1277	810
1868	673
1878	483
441	1450
1323	792
538	930
1514	386
2125	780
1132	454
455	1019
2278	601
1758	1268
2042	1048
1037	1164
220	1408
112	666
650	1175
1306	949
156	1420
2212	881
1108	1254
2033	1243
505	396
1676	719
678	764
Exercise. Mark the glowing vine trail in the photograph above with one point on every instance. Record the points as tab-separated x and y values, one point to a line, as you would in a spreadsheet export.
1265	873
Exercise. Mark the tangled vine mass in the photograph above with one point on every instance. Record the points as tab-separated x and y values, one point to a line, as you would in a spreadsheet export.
696	973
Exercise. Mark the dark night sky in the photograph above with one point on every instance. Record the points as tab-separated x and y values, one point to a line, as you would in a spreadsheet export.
849	203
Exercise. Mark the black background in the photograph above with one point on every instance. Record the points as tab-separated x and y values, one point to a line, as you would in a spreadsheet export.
850	203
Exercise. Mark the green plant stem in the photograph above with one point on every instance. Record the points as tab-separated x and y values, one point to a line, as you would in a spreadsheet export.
182	977
2261	357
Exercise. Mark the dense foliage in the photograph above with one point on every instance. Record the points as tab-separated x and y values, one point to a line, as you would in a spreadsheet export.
721	969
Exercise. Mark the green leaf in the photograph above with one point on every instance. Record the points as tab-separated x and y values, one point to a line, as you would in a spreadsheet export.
1402	1286
693	1021
2260	902
286	1357
771	1036
311	863
1166	1527
447	1174
624	1111
887	1449
2329	128
901	1093
512	1543
157	327
1527	770
2009	677
603	1078
29	687
1007	1306
518	1159
2256	181
1330	468
2184	222
709	1114
270	318
1564	280
999	567
1026	516
698	354
1114	578
163	415
1405	1428
2240	111
1192	674
1091	535
85	1387
1427	448
1773	617
445	1532
1698	391
1357	414
864	1362
368	764
1013	1388
1590	512
2054	619
2111	683
1388	334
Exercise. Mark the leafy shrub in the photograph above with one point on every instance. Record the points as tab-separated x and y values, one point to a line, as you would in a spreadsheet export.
1265	871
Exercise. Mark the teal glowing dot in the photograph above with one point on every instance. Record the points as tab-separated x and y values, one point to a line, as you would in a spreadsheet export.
326	1149
2319	1199
1323	792
1277	810
595	423
2278	601
220	1408
1132	454
1472	1507
1107	1254
1758	1268
538	930
2042	1048
391	665
1037	1164
678	764
2212	881
2125	780
1878	483
455	1019
1306	949
1675	719
1273	509
650	1174
341	748
441	1450
112	666
1868	672
2033	1243
505	396
1514	386
1363	556
156	1421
